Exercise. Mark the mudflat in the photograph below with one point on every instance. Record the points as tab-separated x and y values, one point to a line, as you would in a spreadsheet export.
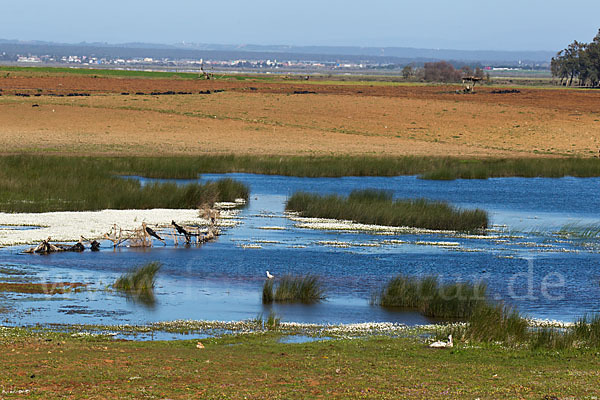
157	116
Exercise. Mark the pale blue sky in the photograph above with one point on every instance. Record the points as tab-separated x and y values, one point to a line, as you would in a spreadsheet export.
493	25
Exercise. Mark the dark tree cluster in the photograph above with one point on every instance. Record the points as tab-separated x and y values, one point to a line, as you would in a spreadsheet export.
579	62
443	71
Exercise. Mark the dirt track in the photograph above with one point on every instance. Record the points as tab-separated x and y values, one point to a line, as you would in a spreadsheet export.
259	117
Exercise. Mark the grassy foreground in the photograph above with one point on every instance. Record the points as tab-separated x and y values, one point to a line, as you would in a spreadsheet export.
53	365
379	208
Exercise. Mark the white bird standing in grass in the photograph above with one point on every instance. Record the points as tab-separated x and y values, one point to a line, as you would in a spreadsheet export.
442	345
269	276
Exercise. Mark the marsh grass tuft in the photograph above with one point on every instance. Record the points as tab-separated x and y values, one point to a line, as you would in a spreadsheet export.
551	338
587	329
578	231
379	208
272	322
138	284
584	333
294	289
267	293
497	323
431	298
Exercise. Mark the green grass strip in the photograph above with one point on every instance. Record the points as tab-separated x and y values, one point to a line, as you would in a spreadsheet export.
439	168
379	208
35	183
436	168
43	184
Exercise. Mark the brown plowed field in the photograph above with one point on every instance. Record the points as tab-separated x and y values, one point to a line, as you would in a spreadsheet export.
267	117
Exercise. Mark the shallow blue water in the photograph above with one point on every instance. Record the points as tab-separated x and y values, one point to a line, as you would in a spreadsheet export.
544	275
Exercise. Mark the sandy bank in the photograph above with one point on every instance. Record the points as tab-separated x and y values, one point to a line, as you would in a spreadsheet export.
69	226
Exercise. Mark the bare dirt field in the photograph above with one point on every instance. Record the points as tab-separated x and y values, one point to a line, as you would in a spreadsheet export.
290	117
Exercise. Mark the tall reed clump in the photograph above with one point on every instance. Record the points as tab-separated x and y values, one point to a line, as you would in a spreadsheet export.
379	208
486	321
497	323
584	333
587	330
267	293
138	284
294	289
431	298
41	184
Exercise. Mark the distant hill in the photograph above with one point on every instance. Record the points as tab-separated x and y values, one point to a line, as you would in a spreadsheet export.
396	52
384	55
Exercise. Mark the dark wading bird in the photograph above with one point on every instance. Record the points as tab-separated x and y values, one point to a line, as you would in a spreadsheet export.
152	233
182	231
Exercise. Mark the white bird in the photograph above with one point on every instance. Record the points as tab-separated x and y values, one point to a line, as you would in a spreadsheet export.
442	345
269	276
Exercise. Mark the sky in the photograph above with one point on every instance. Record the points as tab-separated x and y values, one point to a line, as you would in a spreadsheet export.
443	24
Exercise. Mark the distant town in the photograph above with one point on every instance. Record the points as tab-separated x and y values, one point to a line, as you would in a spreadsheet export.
268	65
166	62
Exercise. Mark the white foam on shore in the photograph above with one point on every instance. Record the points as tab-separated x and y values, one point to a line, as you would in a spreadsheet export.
272	228
345	225
549	323
70	225
227	205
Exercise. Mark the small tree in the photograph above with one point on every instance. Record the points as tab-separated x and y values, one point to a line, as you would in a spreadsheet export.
479	73
465	70
408	71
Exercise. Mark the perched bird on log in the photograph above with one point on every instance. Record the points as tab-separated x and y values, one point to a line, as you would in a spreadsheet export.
152	233
182	231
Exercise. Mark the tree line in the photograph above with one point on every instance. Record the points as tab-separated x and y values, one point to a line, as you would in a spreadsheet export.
579	63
